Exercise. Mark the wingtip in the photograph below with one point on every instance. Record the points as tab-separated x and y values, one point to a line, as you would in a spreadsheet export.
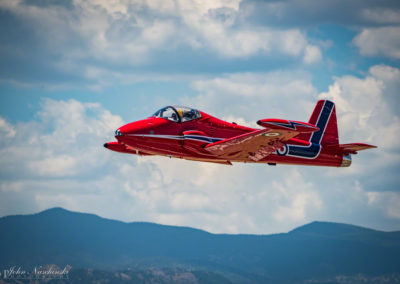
368	146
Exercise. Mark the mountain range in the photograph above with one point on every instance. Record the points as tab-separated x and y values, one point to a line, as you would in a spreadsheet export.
320	252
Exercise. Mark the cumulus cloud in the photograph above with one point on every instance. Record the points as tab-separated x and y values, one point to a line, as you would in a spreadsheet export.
85	39
381	15
378	22
312	54
389	202
367	110
96	44
6	130
363	106
296	197
61	143
381	41
252	96
306	13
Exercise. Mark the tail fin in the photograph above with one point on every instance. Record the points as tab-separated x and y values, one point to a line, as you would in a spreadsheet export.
324	117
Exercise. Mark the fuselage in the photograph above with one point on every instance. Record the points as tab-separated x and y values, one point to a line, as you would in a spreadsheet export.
177	137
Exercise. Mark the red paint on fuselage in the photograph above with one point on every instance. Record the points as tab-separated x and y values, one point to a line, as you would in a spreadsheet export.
160	136
187	133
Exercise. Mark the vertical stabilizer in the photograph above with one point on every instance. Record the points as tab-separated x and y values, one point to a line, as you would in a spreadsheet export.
324	117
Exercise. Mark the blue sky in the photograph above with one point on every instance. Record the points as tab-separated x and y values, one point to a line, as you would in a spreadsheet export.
71	72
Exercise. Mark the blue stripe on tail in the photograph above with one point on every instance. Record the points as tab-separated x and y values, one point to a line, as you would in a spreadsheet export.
312	151
322	122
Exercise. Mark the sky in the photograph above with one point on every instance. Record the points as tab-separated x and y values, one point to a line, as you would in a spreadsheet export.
73	71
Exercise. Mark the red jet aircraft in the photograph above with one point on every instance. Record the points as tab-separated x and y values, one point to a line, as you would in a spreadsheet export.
190	134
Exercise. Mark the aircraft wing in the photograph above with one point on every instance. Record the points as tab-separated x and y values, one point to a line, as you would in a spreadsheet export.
254	145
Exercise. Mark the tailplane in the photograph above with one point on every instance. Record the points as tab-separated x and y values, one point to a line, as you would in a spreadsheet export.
350	148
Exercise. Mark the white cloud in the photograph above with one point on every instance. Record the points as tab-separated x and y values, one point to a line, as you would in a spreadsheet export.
363	107
312	54
386	73
6	130
295	197
131	33
252	96
60	165
381	41
381	15
77	132
389	202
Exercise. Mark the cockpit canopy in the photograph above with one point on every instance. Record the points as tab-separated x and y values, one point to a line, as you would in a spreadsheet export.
178	113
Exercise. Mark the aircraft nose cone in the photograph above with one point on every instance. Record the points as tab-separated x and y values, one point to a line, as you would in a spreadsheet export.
105	145
133	128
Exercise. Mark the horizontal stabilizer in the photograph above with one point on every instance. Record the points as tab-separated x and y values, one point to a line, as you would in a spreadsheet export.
283	124
350	148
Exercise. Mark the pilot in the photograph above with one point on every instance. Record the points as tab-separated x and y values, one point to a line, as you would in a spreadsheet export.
173	116
182	115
